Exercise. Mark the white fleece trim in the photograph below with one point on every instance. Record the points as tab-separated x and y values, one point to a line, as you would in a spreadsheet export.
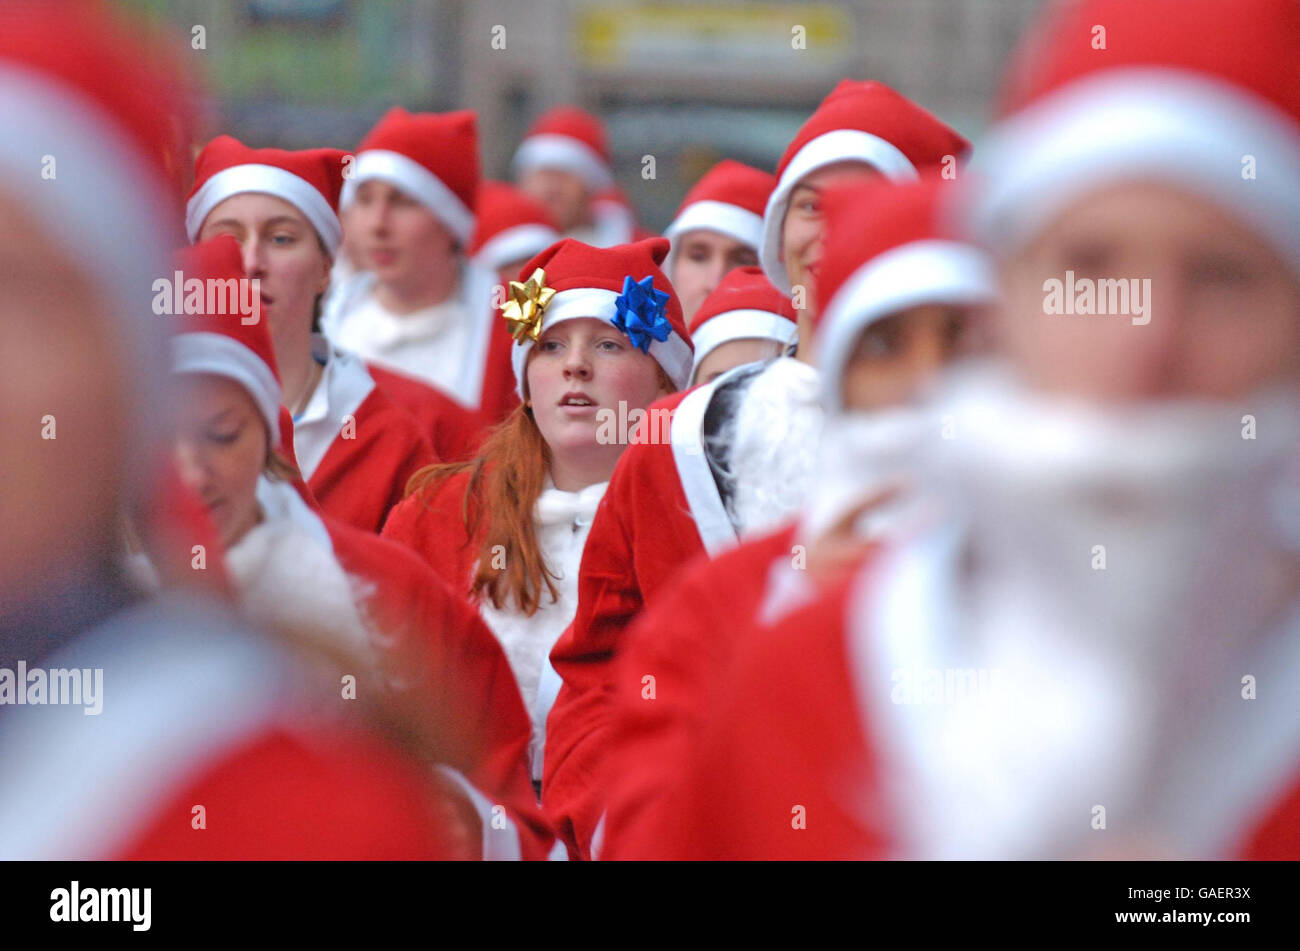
519	243
411	177
701	491
739	224
839	145
270	180
218	354
566	153
743	324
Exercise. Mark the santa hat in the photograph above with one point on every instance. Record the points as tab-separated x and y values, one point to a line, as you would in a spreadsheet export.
729	199
888	248
744	306
622	284
512	226
570	139
863	122
310	180
614	219
433	157
104	114
227	344
1182	91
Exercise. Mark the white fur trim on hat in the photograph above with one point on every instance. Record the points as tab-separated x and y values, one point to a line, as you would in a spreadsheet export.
548	150
744	324
839	145
673	354
516	244
410	176
224	356
270	180
733	221
1141	123
922	272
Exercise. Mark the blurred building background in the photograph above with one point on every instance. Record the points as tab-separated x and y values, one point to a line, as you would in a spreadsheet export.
685	83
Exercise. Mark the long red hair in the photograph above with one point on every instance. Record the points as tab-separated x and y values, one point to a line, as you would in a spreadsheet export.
505	481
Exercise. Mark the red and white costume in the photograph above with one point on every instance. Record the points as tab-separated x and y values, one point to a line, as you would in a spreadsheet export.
587	283
369	598
357	448
194	709
449	345
744	306
1097	713
770	436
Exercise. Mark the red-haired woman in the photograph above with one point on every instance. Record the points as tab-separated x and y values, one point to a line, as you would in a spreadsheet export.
599	336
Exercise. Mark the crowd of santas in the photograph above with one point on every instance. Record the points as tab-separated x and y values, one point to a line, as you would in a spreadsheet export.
915	569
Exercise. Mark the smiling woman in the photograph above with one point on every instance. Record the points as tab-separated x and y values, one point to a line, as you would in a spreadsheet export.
594	330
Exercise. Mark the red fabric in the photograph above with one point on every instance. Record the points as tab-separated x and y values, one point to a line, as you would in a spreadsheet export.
1277	836
479	723
686	640
501	207
454	431
446	144
732	183
744	288
360	479
284	797
782	733
1257	52
875	108
643	532
433	526
573	123
320	168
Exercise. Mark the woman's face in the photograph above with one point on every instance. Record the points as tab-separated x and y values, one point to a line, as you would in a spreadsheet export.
1222	318
281	250
802	230
578	372
700	262
734	353
220	447
65	420
563	193
396	236
898	356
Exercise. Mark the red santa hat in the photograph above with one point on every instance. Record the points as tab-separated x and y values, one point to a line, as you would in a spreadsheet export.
622	284
863	122
1187	92
570	139
512	226
101	114
234	345
744	306
729	199
310	180
433	157
889	247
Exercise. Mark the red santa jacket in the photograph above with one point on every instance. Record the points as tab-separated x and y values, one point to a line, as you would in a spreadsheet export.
644	531
205	743
479	723
454	431
433	525
364	472
787	766
685	641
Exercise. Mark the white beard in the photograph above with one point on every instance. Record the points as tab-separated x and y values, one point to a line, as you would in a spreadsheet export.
1104	677
771	445
861	455
287	577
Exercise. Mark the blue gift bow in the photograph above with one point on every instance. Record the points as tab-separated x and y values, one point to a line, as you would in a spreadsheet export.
639	312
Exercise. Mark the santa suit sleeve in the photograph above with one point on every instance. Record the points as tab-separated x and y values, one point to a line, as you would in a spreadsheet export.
364	472
641	535
454	431
782	769
447	659
433	525
685	641
287	796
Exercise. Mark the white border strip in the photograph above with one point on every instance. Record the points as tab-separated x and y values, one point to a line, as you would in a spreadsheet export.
564	152
840	145
742	324
207	352
710	515
271	180
518	243
410	176
739	224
